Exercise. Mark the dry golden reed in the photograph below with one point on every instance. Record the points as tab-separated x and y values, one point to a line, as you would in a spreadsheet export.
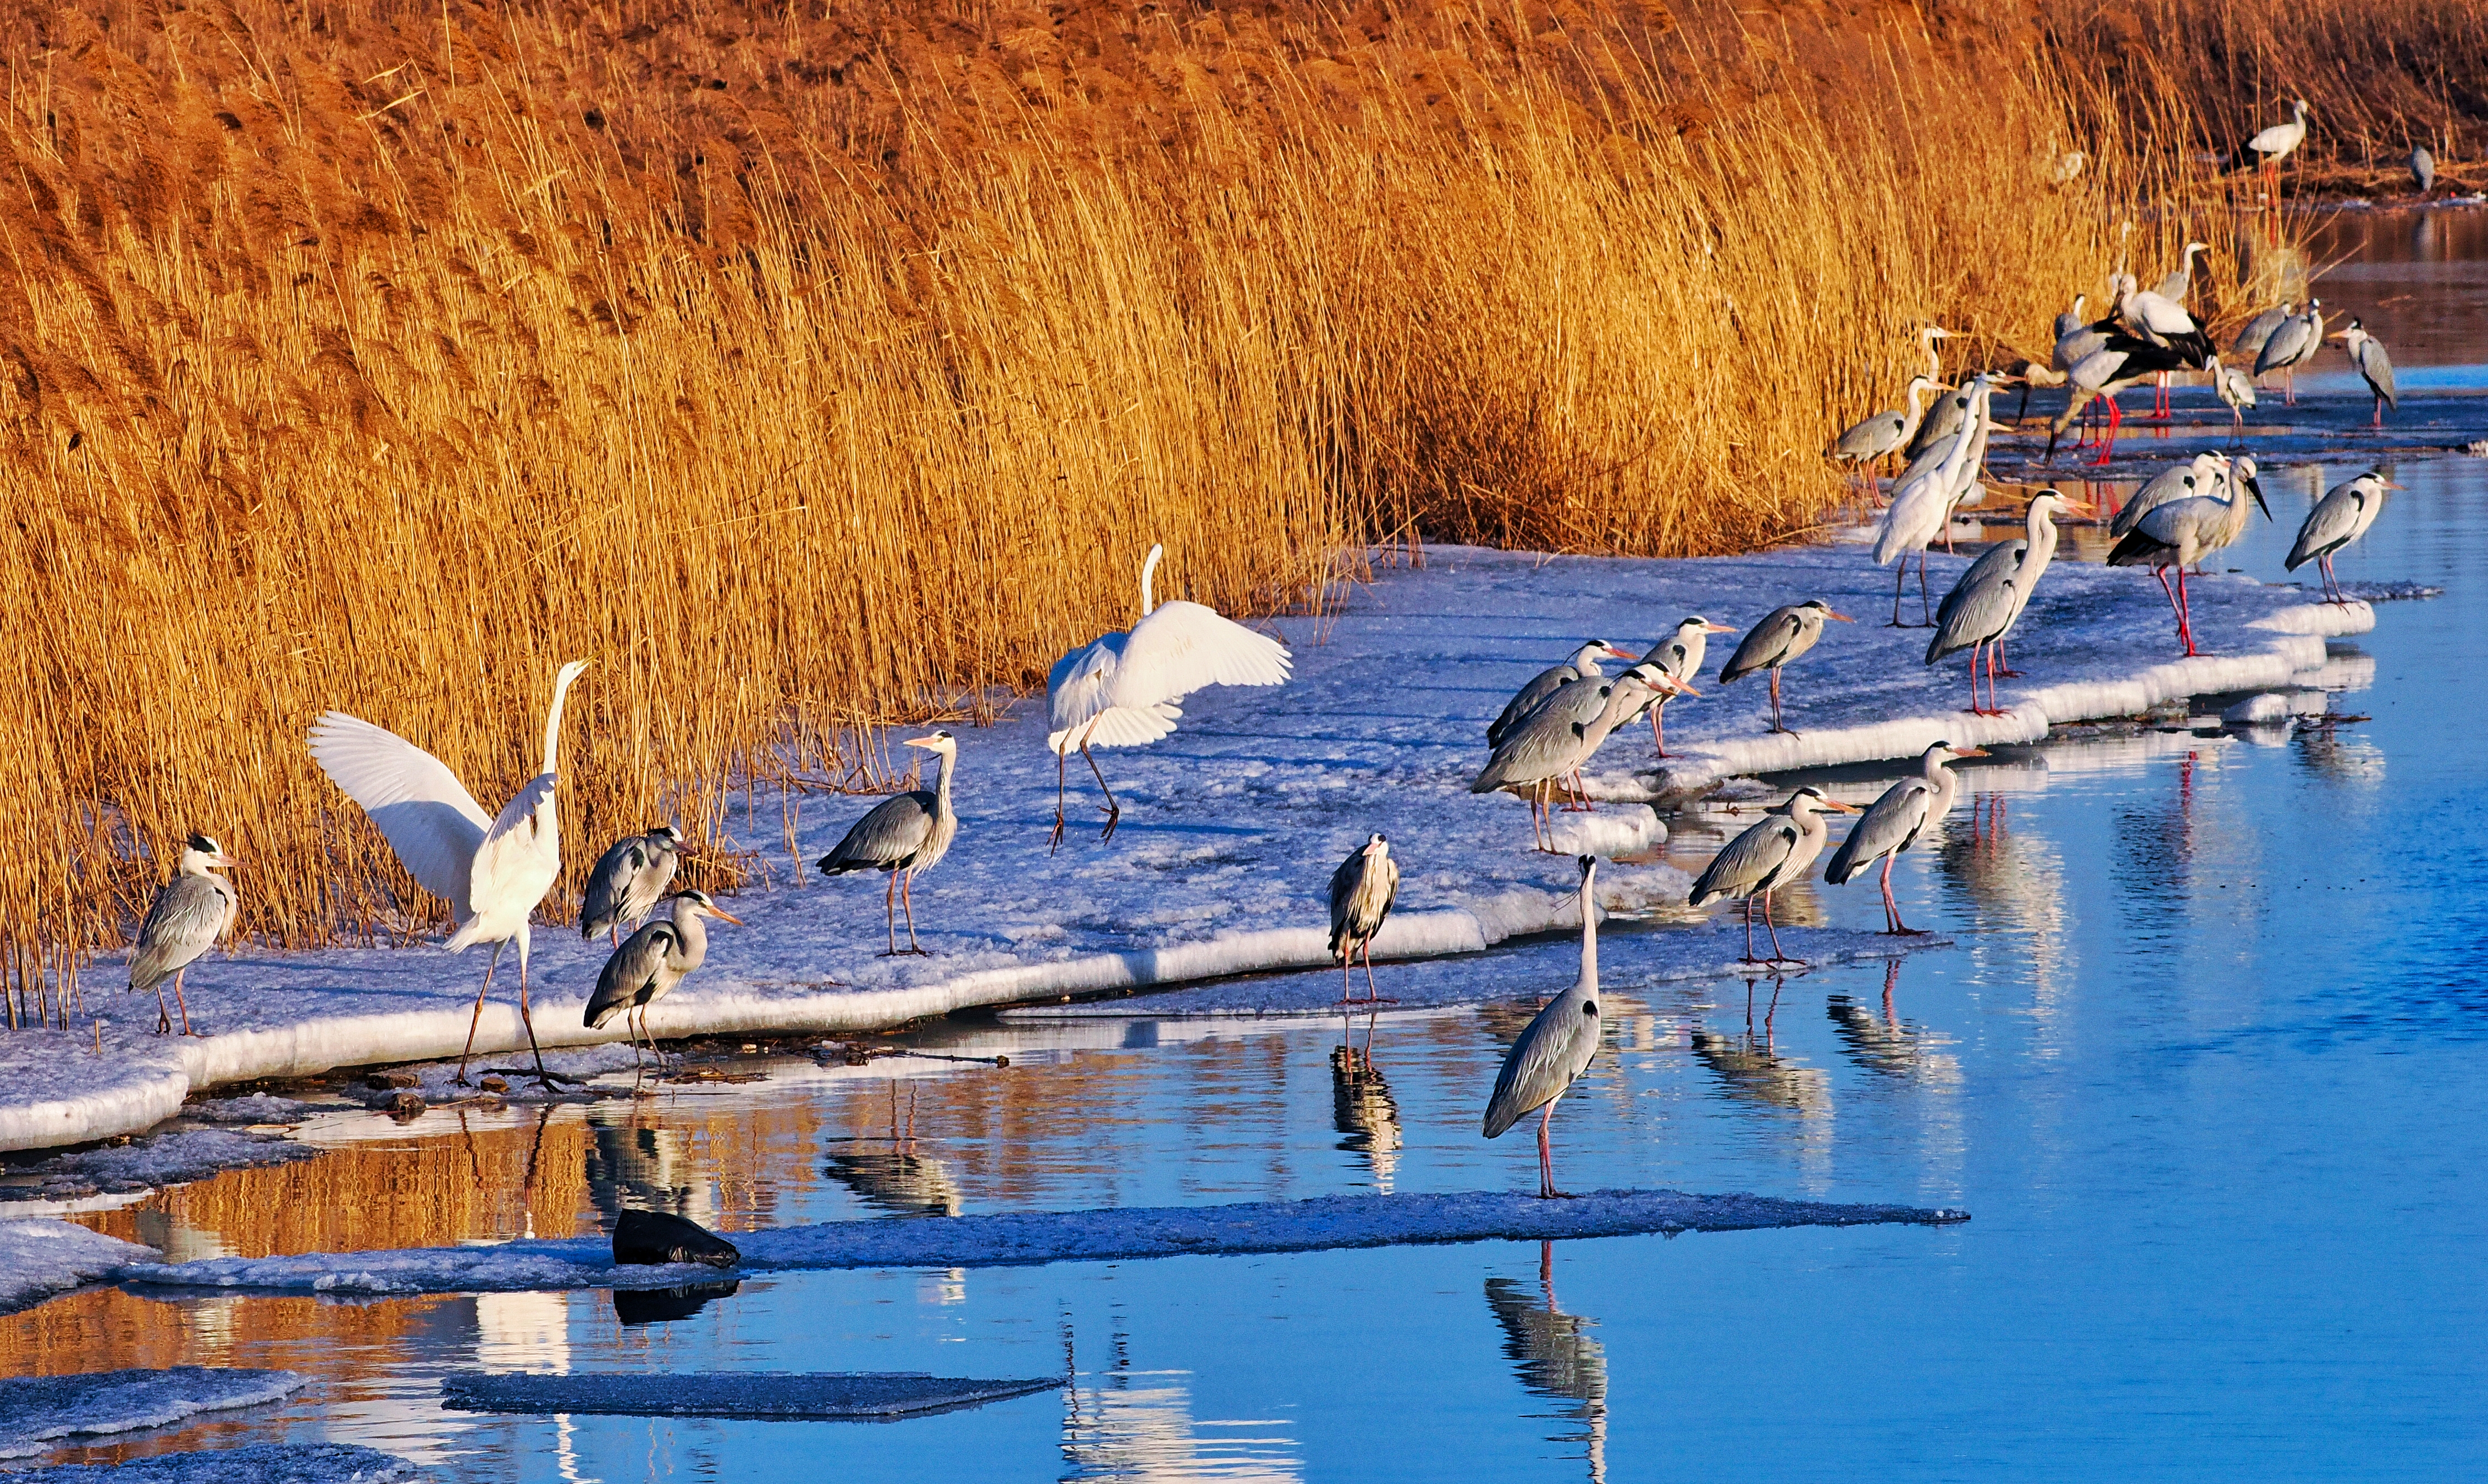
809	367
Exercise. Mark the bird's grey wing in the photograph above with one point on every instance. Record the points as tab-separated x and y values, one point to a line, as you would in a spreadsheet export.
1886	829
1747	861
1873	435
1801	637
1527	699
2252	340
2286	341
1540	747
2327	525
1981	602
1542	1063
895	828
432	824
655	873
629	972
601	903
183	923
1343	895
2378	368
1762	644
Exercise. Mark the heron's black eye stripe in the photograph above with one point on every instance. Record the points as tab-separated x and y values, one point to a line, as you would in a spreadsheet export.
1590	1008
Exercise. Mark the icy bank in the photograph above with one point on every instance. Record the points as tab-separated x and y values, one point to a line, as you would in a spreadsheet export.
41	1258
38	1412
1026	1239
1230	827
769	1395
315	1463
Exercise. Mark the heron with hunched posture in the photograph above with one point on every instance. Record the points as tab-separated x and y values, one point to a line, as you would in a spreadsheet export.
194	909
1895	821
1361	893
1556	1048
491	871
2292	344
1583	664
1679	656
2182	532
628	881
645	969
1558	737
2337	519
1120	689
1783	636
2367	353
1990	596
905	835
1768	856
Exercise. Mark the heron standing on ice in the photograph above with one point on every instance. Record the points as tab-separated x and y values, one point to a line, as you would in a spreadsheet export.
1893	823
905	835
2367	353
1990	598
1558	737
2292	344
628	881
1583	664
2337	519
1679	656
1120	689
645	969
1361	893
1783	634
1556	1048
492	872
2182	532
1883	432
1767	857
194	909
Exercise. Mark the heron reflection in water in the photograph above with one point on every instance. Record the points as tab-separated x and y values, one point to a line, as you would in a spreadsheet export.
1749	1069
635	1163
1878	1043
894	1177
1363	1109
1552	1354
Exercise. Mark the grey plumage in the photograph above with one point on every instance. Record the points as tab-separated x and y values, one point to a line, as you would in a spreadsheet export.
1894	822
1990	598
1555	739
1362	891
1679	656
1584	664
629	880
2071	321
2294	341
1769	854
194	909
2181	278
2367	353
1557	1046
1784	634
2422	169
2340	517
2183	532
651	961
2177	481
905	834
2258	333
1871	438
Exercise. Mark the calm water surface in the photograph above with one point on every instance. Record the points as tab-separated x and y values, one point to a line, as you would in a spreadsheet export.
2205	1063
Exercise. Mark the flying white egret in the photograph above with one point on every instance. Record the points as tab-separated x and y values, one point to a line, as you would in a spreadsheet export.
2337	519
628	881
1768	856
1895	821
905	835
491	871
1556	1048
645	969
193	909
1120	689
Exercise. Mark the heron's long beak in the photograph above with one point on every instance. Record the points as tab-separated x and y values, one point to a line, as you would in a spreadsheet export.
723	915
2390	484
1679	687
1838	617
928	743
231	864
2080	508
1621	654
1837	807
1724	628
1970	753
2253	489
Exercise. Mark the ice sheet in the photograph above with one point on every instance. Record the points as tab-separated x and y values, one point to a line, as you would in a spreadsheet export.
1021	1239
43	1257
855	1396
1232	827
37	1412
173	1157
318	1463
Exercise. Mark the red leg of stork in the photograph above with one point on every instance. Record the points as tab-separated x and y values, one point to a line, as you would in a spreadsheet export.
2107	445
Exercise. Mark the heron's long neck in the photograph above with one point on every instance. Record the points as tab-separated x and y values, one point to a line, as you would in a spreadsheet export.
1589	936
1149	577
941	786
553	724
692	933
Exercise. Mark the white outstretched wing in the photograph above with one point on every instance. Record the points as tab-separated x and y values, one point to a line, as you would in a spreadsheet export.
1182	647
431	821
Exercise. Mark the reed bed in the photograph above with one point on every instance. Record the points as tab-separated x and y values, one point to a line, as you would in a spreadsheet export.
815	367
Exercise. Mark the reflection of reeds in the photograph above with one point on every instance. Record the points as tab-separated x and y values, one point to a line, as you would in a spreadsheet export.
809	369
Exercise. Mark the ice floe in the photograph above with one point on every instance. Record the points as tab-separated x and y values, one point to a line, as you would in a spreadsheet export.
37	1412
305	1462
779	1395
42	1257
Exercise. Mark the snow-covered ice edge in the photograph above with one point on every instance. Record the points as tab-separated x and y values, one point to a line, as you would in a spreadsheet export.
42	1257
37	1412
1026	1239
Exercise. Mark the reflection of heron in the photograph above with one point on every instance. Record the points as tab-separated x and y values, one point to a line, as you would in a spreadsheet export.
895	1178
1553	1355
1749	1069
1878	1043
1364	1111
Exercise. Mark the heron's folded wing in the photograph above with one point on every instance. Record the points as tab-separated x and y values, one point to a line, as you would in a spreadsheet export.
1183	646
182	923
1535	1069
1747	861
1888	824
429	819
2327	525
2283	346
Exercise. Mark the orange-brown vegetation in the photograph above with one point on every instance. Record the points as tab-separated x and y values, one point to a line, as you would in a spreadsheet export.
813	364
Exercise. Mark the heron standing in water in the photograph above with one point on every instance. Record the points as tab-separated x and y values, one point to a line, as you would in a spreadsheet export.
645	969
1893	823
1556	1048
2337	519
1767	857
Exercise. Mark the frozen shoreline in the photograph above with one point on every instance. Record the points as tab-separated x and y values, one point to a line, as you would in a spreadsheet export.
1230	827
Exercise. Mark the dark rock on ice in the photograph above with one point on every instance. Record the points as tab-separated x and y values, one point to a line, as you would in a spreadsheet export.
650	1237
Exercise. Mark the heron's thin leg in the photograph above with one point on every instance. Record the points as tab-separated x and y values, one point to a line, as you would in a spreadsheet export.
2185	613
178	999
1547	1156
1113	810
613	935
1061	770
1996	647
1749	930
1347	965
907	901
890	914
482	990
163	1012
1777	956
544	1078
1657	734
1370	992
1891	908
1775	700
1926	604
1898	578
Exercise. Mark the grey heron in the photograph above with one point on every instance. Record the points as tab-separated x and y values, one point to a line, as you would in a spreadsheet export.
2257	334
1922	502
1773	853
2237	389
193	909
2072	319
2293	343
2199	476
905	835
2337	519
2367	353
1361	893
1784	634
1893	823
628	881
1883	432
1584	662
490	870
1680	656
1990	598
1557	738
2181	533
2275	143
2422	169
1120	689
645	969
1944	418
1556	1048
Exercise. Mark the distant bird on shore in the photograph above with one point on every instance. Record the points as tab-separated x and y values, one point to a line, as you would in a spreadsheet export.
1679	656
1990	596
2257	334
1362	891
1556	1048
2422	169
628	881
2275	143
1783	636
1883	434
191	912
659	956
2367	353
2181	533
1893	823
905	835
2292	344
1120	689
2337	519
492	872
1767	856
1557	738
1584	662
2237	390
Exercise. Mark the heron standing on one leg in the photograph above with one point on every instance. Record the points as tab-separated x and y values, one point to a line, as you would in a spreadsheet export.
196	908
903	835
1361	893
1556	1048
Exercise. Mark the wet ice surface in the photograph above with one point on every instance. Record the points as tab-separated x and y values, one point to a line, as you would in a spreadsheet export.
263	1463
857	1396
42	1256
39	1413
